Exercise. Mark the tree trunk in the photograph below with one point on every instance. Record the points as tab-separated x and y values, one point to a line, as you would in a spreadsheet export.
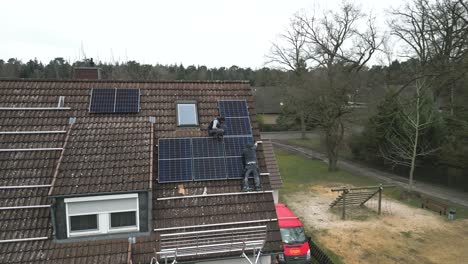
303	126
416	137
452	99
332	161
333	137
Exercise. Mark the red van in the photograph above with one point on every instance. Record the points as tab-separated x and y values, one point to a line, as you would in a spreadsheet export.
295	242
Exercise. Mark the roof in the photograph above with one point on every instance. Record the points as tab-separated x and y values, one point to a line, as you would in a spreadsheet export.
112	153
286	218
272	166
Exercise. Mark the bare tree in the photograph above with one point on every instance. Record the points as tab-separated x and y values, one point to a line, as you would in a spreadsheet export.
404	144
340	45
436	35
292	55
325	53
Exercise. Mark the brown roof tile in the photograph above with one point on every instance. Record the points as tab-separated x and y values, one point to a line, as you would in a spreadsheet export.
111	153
271	164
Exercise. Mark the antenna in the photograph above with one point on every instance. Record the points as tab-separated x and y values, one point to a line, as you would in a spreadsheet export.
82	51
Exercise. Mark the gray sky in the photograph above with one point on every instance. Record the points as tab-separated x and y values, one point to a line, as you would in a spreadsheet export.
203	32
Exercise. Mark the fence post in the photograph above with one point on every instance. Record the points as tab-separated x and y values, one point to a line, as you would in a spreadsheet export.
344	204
380	199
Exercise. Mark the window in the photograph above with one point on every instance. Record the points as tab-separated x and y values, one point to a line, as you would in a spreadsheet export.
187	114
95	215
123	219
83	222
293	235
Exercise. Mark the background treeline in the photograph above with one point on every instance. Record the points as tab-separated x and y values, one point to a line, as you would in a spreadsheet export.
132	70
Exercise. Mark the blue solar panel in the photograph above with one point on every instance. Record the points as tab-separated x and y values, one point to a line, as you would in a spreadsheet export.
111	100
207	147
233	108
127	101
237	126
188	159
177	148
235	145
209	169
234	168
102	101
175	170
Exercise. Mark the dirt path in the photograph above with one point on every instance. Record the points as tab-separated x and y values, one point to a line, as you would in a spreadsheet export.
440	192
402	234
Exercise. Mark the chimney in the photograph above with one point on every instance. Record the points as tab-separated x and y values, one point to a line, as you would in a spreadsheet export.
87	73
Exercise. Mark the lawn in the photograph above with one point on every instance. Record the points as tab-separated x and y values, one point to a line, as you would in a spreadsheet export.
299	174
298	171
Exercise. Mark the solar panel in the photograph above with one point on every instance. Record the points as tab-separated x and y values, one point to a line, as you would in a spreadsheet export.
111	100
233	108
175	148
127	101
175	170
237	126
187	159
235	145
209	169
102	101
234	168
207	147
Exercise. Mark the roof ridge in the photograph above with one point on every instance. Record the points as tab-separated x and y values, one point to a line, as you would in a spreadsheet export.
124	81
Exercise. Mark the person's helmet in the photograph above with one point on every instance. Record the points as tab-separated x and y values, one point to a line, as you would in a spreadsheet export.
221	119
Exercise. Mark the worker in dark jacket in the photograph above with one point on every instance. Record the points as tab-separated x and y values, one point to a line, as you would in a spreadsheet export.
215	129
249	158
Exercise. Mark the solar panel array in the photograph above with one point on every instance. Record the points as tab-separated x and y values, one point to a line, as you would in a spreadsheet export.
237	117
196	159
206	158
112	100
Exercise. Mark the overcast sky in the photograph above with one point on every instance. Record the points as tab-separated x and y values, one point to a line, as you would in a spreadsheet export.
203	32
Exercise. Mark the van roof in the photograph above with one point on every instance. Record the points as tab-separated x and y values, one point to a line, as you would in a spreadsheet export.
286	218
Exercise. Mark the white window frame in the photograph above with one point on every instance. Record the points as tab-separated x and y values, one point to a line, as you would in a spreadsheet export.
104	218
195	112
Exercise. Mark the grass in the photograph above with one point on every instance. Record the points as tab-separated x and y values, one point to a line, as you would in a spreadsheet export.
298	172
336	259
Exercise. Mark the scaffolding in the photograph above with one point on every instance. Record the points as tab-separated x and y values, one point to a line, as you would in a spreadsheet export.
207	242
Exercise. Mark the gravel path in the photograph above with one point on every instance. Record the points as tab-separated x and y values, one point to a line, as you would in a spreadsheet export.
440	192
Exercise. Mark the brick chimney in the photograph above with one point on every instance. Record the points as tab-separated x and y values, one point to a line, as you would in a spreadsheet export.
87	73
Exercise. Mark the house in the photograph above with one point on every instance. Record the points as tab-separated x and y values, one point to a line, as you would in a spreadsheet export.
83	178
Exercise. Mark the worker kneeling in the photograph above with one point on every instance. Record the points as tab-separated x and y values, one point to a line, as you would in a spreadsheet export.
249	158
215	129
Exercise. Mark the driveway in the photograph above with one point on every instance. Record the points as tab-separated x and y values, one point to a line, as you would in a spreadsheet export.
287	135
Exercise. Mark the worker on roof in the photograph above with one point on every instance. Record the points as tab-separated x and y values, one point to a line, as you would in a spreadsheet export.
249	158
215	129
